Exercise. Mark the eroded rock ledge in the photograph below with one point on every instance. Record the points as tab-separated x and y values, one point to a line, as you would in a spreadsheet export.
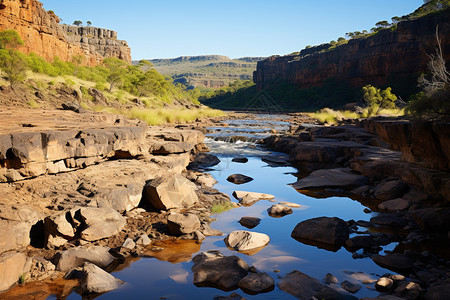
70	179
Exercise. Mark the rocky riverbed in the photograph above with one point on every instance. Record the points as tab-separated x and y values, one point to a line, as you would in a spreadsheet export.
90	194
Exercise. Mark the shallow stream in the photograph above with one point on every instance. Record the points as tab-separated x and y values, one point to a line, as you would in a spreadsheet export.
157	278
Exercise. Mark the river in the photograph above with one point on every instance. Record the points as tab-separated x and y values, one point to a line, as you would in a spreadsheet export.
156	278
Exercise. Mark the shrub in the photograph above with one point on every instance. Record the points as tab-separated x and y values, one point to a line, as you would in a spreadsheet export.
377	99
12	63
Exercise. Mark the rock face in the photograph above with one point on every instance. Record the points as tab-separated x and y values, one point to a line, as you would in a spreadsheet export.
242	240
323	232
174	192
43	35
377	60
214	269
12	266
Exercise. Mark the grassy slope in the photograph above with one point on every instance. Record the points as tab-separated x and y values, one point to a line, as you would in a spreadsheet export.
211	67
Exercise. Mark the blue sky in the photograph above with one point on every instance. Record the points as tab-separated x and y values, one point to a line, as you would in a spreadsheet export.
235	28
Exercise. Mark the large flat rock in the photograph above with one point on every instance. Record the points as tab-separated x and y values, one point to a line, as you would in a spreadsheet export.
340	177
12	266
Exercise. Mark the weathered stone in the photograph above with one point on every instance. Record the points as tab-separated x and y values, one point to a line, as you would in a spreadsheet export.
438	292
279	210
121	198
256	283
389	220
206	180
304	287
180	224
143	240
171	147
57	230
242	240
350	287
12	266
208	231
330	279
360	241
76	257
239	179
241	160
395	261
204	160
18	240
408	290
341	178
394	205
249	198
95	280
129	244
390	190
214	269
173	192
101	223
384	284
330	233
433	219
249	222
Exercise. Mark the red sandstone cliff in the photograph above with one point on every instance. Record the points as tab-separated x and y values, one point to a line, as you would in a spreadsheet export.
381	59
44	36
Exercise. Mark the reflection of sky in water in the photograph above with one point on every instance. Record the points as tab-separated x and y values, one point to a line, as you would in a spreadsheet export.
149	278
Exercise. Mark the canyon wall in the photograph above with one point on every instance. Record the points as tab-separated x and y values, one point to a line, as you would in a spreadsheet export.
43	35
381	59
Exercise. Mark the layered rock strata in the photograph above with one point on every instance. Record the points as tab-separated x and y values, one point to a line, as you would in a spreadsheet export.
43	35
388	56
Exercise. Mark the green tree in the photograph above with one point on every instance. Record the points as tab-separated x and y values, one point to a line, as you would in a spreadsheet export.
89	23
383	24
377	99
10	39
77	23
117	70
13	64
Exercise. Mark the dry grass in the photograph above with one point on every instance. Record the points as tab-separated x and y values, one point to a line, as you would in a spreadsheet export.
330	116
164	115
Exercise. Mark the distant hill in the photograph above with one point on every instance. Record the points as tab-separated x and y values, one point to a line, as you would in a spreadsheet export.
207	71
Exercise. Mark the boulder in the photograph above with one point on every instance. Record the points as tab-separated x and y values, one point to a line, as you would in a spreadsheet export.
171	148
76	257
129	244
170	192
241	160
180	224
384	284
242	240
256	283
249	222
304	287
389	219
438	292
96	280
350	287
360	242
278	210
143	240
323	232
390	190
206	180
12	266
239	179
249	198
204	160
394	261
290	204
410	290
100	223
18	240
122	198
329	178
216	270
433	219
330	279
57	230
394	205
